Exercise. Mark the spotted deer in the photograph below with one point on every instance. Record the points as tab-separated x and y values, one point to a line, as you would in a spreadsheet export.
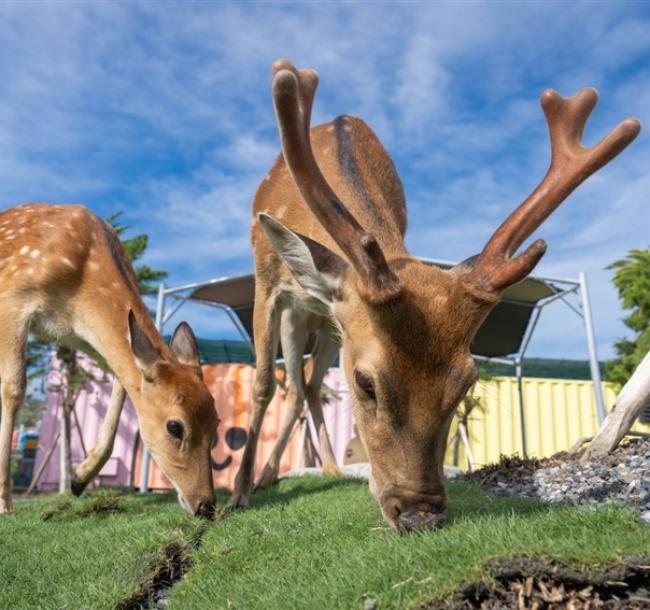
63	271
342	270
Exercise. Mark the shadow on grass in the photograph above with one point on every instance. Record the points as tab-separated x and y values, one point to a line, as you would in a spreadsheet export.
300	487
466	501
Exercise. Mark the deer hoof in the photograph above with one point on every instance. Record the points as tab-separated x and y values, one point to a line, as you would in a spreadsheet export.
331	470
238	500
6	506
77	486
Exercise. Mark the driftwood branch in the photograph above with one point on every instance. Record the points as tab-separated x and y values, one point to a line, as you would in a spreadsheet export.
634	396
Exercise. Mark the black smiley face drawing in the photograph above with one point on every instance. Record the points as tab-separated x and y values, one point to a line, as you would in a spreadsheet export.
235	439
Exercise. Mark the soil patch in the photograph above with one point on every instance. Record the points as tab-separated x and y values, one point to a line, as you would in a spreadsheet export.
524	583
100	505
168	569
165	571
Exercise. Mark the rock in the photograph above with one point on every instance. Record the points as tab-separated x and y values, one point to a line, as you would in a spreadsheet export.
645	516
370	604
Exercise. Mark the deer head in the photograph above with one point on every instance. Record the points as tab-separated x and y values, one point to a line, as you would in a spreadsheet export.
176	413
406	328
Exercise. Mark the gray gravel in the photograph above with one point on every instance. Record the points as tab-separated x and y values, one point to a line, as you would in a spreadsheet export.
622	477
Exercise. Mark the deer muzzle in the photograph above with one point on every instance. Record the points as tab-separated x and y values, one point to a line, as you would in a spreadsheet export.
412	512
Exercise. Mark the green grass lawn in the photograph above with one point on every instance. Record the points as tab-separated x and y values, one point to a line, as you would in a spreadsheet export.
307	543
57	553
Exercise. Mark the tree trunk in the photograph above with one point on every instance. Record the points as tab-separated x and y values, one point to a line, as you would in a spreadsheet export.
65	448
68	398
634	396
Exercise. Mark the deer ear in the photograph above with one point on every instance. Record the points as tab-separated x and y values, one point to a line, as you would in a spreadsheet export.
184	346
146	355
317	269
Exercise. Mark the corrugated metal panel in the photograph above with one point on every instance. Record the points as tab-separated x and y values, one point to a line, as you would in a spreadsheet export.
557	413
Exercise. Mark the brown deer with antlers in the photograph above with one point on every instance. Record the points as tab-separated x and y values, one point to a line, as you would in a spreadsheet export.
342	270
63	271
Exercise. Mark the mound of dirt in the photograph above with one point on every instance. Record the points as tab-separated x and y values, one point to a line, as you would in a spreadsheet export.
524	583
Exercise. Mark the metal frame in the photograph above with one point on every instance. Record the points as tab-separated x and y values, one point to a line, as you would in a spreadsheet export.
567	286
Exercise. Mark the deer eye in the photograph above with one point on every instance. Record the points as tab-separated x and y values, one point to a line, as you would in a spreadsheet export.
364	382
175	428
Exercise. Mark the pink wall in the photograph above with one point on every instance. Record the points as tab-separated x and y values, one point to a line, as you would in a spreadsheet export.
231	385
90	408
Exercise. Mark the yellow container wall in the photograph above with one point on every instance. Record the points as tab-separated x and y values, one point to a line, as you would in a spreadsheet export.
557	413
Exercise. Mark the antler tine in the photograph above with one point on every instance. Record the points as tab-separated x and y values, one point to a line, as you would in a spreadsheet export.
293	94
571	164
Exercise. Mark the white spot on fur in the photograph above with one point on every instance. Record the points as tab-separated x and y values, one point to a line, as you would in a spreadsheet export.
30	271
67	262
330	128
22	230
35	253
24	250
93	266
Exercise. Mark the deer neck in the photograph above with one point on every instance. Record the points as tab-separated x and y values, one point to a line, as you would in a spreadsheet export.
105	327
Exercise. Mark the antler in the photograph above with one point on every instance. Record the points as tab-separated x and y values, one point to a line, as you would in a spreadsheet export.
571	164
293	96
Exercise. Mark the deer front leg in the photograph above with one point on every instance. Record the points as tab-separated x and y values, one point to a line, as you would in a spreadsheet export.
14	382
293	335
323	356
265	329
99	454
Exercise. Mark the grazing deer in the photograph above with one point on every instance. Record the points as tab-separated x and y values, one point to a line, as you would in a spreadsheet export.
63	271
343	271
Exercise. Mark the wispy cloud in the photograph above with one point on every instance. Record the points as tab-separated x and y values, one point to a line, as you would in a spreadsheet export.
164	111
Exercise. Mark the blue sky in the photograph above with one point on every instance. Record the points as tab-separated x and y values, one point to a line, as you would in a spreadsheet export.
163	111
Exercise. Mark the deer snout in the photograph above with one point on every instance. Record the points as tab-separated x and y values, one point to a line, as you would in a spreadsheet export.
410	512
205	508
418	520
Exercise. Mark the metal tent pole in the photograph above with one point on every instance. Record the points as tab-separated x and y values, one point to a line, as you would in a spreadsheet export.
591	346
522	415
146	456
520	376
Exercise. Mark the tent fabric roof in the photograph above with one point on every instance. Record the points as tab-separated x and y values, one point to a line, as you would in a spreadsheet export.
500	335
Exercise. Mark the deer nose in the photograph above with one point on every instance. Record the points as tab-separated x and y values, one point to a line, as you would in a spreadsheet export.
418	520
205	509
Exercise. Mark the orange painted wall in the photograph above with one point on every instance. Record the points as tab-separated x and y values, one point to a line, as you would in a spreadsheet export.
232	388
